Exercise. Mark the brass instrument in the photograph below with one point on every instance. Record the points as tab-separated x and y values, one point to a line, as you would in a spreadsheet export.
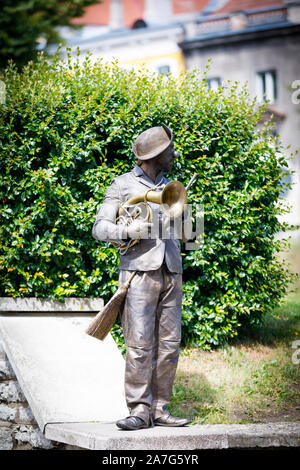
172	197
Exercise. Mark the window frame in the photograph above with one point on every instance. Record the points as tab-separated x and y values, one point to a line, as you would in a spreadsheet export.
267	85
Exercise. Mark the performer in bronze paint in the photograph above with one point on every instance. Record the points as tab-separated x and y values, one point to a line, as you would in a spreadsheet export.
151	313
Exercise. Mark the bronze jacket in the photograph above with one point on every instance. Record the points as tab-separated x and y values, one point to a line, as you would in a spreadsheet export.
147	254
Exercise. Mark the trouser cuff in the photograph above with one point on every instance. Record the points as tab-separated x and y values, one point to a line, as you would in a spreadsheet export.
142	412
159	409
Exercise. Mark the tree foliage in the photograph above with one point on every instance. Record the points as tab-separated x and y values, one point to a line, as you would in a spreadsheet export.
24	23
66	132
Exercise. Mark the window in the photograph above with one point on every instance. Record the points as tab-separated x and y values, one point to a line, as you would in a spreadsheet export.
164	69
139	24
266	86
213	83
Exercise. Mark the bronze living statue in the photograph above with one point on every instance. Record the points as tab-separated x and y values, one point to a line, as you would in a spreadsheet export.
151	311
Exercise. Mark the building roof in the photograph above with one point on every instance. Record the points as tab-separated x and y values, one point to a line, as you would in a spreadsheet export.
128	33
95	15
212	22
133	10
260	19
99	14
238	5
222	38
194	6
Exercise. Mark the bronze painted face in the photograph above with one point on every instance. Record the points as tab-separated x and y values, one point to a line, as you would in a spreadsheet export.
165	160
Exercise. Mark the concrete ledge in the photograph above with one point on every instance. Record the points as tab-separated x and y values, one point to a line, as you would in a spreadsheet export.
106	436
65	375
34	305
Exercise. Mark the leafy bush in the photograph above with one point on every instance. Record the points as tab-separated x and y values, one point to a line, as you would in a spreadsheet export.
66	132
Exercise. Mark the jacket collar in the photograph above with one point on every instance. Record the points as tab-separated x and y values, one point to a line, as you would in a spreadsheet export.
137	171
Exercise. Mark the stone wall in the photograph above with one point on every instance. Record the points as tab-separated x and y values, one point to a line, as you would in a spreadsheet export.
18	428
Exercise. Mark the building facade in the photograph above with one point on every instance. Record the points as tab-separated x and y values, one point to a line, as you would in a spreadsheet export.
136	32
258	46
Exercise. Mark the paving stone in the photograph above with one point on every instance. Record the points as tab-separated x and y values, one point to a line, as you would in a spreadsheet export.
33	436
11	392
26	415
7	413
6	441
6	371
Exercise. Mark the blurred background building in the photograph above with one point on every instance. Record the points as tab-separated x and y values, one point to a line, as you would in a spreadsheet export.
250	41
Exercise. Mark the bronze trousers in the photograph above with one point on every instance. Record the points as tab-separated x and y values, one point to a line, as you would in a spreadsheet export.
151	322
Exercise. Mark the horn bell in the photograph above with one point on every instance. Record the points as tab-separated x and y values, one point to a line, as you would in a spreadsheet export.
173	199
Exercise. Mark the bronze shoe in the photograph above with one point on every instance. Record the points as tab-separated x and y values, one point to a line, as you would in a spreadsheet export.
169	420
132	423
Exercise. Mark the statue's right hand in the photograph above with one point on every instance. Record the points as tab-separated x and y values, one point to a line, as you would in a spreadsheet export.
138	229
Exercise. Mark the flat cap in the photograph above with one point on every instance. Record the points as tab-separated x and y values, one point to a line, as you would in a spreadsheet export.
152	142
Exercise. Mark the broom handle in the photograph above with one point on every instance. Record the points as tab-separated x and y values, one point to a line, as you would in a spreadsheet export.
130	279
192	180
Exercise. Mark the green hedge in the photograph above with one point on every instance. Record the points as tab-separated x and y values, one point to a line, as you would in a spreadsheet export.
66	131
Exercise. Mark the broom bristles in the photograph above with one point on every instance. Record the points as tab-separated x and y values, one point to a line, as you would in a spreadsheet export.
105	319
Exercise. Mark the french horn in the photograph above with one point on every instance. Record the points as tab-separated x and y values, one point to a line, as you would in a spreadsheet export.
172	198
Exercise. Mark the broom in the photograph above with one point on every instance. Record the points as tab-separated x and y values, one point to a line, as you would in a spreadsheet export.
104	320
